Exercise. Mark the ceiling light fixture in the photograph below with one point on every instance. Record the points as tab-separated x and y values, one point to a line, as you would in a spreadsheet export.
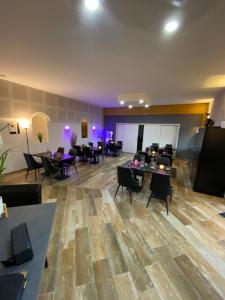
92	5
130	106
171	26
122	102
141	101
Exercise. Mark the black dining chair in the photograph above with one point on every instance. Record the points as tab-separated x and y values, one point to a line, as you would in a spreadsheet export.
51	170
89	154
100	150
71	162
120	145
113	149
21	194
169	156
126	179
145	154
32	164
139	158
80	153
90	144
161	160
60	150
155	147
160	188
169	149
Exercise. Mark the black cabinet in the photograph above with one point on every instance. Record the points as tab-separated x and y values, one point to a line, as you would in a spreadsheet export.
210	176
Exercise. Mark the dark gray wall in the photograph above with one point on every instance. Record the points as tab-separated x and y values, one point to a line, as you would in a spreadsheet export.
187	134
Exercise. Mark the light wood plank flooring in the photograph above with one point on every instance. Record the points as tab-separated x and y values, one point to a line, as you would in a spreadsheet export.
105	249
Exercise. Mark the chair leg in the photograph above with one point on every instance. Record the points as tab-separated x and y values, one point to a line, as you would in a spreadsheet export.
75	169
117	191
46	262
35	172
130	198
149	200
27	173
171	194
167	209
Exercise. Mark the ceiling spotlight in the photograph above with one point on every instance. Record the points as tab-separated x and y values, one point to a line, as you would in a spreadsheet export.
171	26
91	4
178	3
141	101
130	106
122	102
146	105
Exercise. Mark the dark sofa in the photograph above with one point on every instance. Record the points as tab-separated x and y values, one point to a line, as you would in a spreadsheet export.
20	194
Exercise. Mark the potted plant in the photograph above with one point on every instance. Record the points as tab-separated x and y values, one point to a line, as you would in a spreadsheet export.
40	137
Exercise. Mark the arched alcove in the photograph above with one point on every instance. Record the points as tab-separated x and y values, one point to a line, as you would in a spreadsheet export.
40	126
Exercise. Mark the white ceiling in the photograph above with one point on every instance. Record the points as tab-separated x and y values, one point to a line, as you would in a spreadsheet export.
60	47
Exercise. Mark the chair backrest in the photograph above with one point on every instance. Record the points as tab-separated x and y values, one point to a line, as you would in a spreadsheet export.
147	149
90	144
73	152
87	151
61	150
125	177
163	161
100	144
21	194
169	150
48	167
145	154
31	163
112	147
139	157
160	185
78	148
155	147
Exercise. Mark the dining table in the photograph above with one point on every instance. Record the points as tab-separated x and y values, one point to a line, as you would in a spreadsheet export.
57	158
147	168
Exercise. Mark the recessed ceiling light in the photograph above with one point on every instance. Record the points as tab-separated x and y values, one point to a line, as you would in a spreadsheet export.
178	3
146	105
141	101
171	26
130	106
92	4
122	102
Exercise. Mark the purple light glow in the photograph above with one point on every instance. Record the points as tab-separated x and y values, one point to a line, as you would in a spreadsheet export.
67	127
93	127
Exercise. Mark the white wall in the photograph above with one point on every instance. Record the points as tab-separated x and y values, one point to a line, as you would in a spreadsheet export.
218	110
58	136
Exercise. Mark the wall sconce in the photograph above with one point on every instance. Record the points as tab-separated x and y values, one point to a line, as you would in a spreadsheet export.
67	127
25	124
93	127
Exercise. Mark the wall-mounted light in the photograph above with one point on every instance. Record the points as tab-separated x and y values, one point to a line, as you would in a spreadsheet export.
130	106
67	127
24	123
93	127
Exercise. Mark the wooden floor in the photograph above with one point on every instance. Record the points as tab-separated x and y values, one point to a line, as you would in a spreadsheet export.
106	249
